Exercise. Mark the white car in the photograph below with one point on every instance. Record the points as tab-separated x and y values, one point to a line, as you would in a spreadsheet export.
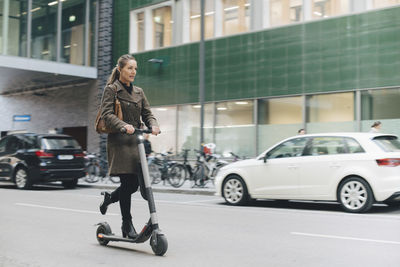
354	169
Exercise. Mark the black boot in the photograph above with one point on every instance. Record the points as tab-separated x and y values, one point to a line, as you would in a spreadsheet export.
106	202
128	230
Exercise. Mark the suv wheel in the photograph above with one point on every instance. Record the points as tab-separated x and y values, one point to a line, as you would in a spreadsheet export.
70	184
21	179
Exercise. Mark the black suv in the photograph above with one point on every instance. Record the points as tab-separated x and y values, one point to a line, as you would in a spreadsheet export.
26	159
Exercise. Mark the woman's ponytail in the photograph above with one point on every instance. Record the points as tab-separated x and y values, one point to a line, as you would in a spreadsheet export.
114	76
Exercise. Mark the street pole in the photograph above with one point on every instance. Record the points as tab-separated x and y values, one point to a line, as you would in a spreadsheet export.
201	72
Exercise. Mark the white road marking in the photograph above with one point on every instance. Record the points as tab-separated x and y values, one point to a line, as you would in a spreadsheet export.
347	238
199	201
63	209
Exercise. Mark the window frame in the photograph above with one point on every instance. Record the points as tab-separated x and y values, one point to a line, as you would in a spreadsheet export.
148	26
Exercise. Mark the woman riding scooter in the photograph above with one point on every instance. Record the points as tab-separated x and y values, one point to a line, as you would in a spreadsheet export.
122	150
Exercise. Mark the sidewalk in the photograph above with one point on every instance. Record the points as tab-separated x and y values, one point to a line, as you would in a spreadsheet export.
186	188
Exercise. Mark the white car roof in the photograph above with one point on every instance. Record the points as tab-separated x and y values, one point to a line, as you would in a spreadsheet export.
363	137
350	134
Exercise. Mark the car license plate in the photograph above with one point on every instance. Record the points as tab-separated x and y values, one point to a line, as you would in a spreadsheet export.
65	157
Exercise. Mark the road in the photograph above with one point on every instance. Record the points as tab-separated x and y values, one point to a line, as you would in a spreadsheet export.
52	226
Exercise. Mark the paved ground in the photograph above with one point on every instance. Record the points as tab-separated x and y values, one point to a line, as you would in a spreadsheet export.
52	226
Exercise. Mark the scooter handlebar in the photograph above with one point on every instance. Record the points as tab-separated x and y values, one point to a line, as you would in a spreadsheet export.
137	130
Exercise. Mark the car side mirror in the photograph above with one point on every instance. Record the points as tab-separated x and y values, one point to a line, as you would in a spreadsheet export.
265	158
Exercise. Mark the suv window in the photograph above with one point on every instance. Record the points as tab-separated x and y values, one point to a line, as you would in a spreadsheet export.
326	145
290	148
30	141
13	144
387	143
3	143
59	143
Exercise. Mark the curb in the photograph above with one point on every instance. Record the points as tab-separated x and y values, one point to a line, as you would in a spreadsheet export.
204	192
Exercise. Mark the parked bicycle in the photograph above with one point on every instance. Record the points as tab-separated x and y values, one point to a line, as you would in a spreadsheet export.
161	168
94	171
204	170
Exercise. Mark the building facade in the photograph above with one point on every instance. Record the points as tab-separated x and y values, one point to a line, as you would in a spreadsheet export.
272	67
51	75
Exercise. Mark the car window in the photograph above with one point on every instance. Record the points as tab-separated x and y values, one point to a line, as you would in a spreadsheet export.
59	143
290	148
30	142
353	146
3	143
387	143
326	145
13	144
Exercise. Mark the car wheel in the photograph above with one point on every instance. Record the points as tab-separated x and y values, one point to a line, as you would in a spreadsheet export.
234	191
355	195
21	179
70	184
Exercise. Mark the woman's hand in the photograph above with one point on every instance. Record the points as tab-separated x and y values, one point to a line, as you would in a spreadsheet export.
129	129
155	130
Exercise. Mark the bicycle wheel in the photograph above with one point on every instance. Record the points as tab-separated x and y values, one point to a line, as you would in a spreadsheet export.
93	172
200	176
155	174
177	175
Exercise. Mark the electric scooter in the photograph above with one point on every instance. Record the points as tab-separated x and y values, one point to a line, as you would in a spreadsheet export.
158	241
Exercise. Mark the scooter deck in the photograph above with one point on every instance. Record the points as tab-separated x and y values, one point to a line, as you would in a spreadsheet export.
144	235
113	237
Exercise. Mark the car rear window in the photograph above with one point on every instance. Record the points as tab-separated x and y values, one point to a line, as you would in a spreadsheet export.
59	143
388	143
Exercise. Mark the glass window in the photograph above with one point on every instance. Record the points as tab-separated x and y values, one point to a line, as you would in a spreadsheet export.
3	143
291	148
330	107
15	42
140	31
331	113
166	117
59	143
380	104
329	8
234	113
278	118
73	32
388	143
285	11
235	127
189	125
44	29
353	146
286	110
385	3
195	20
162	26
236	16
326	146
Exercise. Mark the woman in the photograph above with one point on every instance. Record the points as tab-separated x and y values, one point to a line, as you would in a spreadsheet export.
122	149
376	127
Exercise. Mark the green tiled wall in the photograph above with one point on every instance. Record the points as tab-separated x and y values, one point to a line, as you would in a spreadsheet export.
356	51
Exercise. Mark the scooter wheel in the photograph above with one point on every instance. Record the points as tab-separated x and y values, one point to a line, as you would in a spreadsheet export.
159	244
105	229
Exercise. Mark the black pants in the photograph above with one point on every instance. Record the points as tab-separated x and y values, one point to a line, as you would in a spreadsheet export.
129	185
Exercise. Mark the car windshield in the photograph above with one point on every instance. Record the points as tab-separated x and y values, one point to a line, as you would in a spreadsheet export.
388	143
59	143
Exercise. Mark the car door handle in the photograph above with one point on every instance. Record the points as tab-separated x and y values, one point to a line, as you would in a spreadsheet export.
293	167
335	165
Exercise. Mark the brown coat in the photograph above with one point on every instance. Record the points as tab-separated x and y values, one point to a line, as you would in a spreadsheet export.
122	149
